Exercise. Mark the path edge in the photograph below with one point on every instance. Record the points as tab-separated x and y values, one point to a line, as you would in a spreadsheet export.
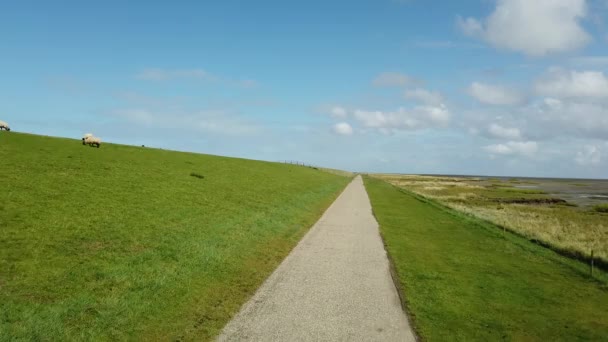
394	274
288	256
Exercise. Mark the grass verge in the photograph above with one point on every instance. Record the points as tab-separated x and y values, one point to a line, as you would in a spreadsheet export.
573	231
123	243
466	280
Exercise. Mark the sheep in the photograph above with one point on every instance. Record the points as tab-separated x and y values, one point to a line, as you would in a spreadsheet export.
86	136
4	125
91	140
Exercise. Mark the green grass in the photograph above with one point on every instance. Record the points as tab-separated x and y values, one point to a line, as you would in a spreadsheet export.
122	243
467	280
601	208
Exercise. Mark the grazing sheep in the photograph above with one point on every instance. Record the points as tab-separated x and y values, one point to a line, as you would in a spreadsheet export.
91	141
4	125
86	136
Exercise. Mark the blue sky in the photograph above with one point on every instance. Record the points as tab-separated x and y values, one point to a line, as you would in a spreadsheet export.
505	87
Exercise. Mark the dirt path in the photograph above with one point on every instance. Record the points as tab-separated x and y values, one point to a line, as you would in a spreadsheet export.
334	286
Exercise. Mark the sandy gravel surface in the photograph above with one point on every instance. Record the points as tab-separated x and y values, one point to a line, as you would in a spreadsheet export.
334	286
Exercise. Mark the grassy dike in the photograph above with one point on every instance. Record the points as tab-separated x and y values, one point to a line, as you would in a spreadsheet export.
464	280
129	243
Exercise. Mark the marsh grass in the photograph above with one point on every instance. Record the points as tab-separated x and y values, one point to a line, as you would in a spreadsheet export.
463	279
532	213
122	243
601	208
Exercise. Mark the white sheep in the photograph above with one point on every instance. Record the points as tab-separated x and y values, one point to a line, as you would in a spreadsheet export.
85	137
4	125
91	140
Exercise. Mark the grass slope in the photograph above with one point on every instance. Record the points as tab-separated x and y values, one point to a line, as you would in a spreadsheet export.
132	243
464	280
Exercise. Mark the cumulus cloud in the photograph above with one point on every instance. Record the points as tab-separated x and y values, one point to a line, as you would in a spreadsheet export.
495	95
555	118
562	83
498	131
393	79
590	156
574	118
429	112
535	28
542	120
562	104
420	117
438	115
513	148
343	128
424	96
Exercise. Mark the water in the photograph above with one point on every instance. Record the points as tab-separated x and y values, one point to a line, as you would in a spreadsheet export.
582	192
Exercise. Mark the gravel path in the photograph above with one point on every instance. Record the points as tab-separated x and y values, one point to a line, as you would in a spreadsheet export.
334	286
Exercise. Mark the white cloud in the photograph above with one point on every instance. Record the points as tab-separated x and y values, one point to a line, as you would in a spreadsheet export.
533	27
567	118
566	105
343	128
338	112
420	117
513	148
552	103
157	74
424	96
561	83
590	156
541	120
379	119
393	79
499	149
504	133
495	95
437	114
